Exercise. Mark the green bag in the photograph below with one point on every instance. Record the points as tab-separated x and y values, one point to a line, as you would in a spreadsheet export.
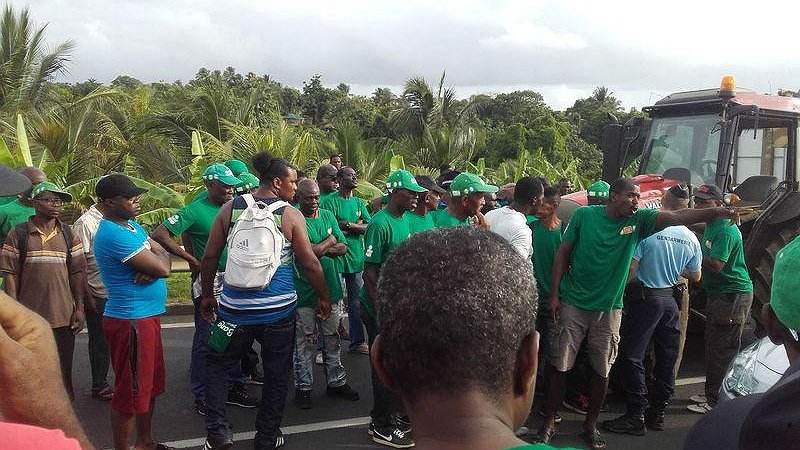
221	333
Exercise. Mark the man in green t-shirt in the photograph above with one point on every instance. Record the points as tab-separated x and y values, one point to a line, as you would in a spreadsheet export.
385	232
328	244
352	215
194	221
586	301
421	218
466	201
466	378
729	294
20	209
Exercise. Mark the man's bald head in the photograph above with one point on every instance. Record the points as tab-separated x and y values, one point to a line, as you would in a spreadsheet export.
307	186
34	174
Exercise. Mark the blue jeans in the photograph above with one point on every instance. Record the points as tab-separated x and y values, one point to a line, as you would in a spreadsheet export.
657	317
304	348
353	283
277	345
197	366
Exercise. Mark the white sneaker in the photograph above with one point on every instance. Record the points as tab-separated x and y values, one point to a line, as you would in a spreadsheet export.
698	398
700	408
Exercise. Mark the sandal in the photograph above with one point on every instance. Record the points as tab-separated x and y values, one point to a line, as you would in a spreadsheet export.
594	439
104	394
545	435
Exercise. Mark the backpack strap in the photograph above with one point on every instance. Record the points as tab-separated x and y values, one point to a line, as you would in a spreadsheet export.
275	206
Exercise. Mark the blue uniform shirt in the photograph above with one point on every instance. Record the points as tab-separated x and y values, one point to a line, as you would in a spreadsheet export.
663	257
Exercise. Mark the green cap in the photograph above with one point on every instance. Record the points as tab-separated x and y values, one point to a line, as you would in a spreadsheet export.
249	181
468	183
237	167
403	179
221	173
599	189
785	298
50	187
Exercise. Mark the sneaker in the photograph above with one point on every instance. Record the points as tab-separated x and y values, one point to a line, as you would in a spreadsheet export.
318	359
344	392
654	419
201	406
215	444
302	399
391	437
700	408
105	393
238	396
698	398
256	378
280	440
360	349
558	418
627	424
403	423
578	404
521	431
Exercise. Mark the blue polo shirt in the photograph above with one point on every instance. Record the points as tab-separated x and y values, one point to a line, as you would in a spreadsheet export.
114	245
663	257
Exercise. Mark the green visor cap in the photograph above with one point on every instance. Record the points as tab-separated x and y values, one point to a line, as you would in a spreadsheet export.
468	183
599	189
221	173
785	298
237	167
403	179
50	187
249	181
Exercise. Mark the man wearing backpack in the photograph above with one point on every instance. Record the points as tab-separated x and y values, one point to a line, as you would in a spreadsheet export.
265	239
44	269
195	220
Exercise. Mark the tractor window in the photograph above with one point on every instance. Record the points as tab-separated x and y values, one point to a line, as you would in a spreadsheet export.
686	144
760	154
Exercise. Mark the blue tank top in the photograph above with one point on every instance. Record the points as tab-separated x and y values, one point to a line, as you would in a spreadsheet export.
276	301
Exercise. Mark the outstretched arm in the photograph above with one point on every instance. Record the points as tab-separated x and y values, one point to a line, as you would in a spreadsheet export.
666	219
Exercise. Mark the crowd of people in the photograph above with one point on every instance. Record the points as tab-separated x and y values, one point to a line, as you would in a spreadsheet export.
467	297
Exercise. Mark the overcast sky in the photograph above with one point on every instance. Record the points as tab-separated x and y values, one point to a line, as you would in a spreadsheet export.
641	50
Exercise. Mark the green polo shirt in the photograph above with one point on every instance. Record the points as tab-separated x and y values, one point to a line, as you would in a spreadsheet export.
196	219
417	223
723	242
545	246
12	214
319	228
601	256
384	234
352	210
443	219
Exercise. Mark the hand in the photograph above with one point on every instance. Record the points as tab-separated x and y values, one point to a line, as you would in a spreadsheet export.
733	214
142	278
208	309
89	305
555	307
78	320
324	309
194	265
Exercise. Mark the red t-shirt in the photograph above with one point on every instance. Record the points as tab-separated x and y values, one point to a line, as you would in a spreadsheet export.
17	436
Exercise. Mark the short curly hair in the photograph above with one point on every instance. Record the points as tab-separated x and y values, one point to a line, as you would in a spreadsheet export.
454	305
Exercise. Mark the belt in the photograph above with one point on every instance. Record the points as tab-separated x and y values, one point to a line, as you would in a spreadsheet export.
659	291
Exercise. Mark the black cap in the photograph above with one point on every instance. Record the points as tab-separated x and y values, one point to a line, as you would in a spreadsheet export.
709	192
428	183
12	183
679	191
117	184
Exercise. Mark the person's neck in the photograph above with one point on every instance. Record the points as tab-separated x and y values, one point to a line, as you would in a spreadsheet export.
612	213
521	208
265	192
551	222
310	214
421	210
43	223
395	210
345	192
457	211
467	421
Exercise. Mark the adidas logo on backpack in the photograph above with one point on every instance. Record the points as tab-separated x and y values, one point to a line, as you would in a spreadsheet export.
254	246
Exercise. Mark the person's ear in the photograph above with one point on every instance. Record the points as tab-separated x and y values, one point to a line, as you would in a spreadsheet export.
526	366
379	363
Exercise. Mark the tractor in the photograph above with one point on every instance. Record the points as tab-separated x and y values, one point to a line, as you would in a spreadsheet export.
741	141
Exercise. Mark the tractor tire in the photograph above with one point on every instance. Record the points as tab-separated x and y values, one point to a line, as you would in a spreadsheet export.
761	259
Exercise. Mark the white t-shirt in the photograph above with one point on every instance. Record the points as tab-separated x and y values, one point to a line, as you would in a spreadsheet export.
511	225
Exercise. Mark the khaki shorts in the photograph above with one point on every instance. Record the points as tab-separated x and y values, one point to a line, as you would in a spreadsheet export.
600	328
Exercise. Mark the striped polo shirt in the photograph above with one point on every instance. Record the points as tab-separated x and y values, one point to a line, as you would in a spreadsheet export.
276	301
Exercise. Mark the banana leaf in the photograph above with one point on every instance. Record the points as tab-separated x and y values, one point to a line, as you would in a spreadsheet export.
367	191
6	158
22	142
396	163
197	145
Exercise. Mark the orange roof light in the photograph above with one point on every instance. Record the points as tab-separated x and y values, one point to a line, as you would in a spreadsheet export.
727	88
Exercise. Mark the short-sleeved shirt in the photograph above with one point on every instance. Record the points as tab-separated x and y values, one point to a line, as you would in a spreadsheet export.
352	210
319	228
86	228
443	219
601	255
539	447
663	256
44	286
384	234
114	246
196	220
723	242
417	223
12	214
545	247
512	226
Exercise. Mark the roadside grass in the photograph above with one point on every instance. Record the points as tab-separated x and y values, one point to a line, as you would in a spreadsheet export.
179	288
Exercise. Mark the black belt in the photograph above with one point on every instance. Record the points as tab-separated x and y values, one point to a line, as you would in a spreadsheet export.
660	291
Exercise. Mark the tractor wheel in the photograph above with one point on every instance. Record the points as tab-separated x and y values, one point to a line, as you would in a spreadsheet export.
762	259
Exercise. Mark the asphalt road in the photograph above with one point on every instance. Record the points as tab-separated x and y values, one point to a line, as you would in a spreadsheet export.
333	424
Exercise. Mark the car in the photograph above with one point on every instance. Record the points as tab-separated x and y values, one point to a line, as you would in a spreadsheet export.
754	370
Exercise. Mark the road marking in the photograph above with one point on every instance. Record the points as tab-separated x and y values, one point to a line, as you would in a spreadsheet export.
688	381
163	326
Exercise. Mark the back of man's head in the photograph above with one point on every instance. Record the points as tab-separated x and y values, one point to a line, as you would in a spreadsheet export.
527	190
454	306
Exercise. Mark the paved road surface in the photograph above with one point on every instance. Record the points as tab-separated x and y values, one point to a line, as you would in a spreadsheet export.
333	424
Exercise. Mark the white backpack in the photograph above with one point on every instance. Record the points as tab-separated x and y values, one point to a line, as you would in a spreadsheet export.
254	246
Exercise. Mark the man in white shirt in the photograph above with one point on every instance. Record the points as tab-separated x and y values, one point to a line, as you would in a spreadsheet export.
511	222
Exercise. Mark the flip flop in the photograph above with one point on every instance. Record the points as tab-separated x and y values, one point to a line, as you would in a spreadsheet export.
545	435
594	439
